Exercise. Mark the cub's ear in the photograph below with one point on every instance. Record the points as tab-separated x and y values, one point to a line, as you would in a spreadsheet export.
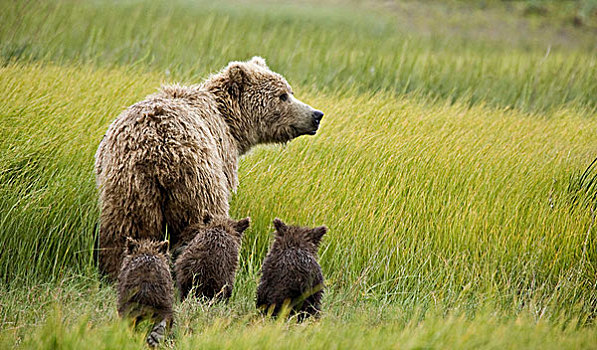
131	245
317	233
241	225
281	227
260	61
163	247
237	78
207	219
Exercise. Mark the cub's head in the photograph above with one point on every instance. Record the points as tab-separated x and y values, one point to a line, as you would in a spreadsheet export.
141	247
289	237
263	104
234	228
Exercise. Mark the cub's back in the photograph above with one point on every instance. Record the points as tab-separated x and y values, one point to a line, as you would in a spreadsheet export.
291	271
145	280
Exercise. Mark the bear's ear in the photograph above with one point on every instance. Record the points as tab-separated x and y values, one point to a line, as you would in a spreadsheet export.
237	78
131	245
280	227
207	218
163	247
260	61
241	225
317	233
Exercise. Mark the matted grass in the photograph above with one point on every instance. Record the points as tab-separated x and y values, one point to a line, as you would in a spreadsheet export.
451	175
81	314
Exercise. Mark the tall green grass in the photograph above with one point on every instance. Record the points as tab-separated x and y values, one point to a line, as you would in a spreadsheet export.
52	122
425	202
329	49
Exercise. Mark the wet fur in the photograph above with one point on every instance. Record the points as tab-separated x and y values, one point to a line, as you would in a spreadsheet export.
208	264
291	276
172	158
145	286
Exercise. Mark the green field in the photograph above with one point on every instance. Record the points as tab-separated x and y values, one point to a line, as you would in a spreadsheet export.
454	168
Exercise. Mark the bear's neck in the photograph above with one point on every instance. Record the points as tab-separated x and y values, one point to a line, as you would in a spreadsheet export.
241	129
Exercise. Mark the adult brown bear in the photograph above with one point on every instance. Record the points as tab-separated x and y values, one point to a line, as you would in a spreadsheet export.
170	160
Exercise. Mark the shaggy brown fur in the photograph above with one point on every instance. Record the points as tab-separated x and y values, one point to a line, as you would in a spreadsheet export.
210	261
172	158
145	287
291	276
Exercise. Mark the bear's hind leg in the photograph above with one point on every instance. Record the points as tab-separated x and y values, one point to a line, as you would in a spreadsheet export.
131	207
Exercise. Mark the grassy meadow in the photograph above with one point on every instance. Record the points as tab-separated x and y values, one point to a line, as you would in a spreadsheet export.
454	168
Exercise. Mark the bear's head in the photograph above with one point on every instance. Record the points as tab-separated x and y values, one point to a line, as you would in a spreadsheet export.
259	104
297	237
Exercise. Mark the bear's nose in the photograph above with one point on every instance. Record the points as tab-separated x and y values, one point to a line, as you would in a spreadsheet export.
317	115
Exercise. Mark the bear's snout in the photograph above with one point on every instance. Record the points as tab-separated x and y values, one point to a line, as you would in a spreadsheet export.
317	115
316	119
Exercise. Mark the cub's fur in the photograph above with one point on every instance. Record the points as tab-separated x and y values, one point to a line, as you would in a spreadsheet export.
291	276
145	287
209	262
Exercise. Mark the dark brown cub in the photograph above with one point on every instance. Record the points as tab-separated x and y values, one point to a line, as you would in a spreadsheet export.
291	276
208	264
145	286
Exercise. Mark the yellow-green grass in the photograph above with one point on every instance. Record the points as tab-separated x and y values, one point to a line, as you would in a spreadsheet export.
450	173
430	206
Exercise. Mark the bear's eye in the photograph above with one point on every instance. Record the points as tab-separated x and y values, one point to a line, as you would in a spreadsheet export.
284	97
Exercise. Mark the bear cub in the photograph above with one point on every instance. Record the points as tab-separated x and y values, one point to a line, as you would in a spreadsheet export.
145	286
209	262
291	277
